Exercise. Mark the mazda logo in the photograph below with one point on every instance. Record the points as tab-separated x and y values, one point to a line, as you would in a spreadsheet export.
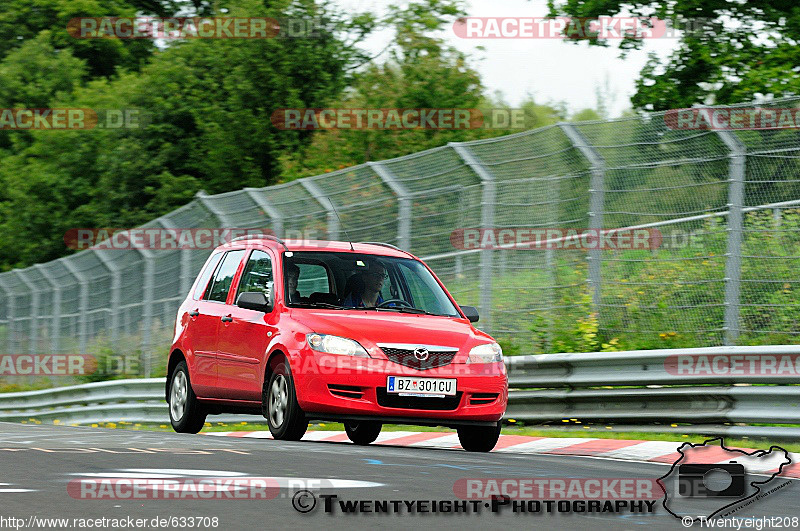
421	353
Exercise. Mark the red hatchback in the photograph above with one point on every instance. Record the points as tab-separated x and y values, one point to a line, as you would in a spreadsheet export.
359	333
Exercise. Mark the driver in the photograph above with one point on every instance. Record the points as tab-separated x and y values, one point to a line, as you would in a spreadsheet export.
372	282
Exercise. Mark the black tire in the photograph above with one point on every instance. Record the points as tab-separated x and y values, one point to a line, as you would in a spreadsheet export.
285	419
478	438
186	413
363	432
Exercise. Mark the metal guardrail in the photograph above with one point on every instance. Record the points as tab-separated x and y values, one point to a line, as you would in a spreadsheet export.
633	389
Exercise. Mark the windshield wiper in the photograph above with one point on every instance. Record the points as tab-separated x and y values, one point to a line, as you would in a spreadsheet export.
317	305
400	309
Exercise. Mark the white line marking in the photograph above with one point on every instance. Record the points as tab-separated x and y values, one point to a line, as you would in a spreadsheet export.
646	449
543	445
448	441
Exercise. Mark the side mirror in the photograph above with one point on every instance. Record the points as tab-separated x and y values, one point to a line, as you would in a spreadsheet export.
471	313
255	300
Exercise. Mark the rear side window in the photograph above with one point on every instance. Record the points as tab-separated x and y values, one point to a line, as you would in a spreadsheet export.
219	287
205	276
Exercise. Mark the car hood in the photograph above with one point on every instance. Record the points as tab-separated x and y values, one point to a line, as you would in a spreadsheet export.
371	327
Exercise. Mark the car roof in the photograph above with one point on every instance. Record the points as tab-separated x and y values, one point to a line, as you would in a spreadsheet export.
318	246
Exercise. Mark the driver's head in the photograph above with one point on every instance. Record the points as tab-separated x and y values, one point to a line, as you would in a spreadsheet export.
374	275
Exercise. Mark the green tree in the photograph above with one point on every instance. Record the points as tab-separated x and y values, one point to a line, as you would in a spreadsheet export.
732	51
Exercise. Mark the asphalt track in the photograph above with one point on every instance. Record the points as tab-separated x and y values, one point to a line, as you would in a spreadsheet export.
37	463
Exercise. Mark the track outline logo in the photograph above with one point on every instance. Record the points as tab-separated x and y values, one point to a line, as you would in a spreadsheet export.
755	484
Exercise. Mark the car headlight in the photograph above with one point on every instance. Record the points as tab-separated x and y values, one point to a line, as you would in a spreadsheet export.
486	353
335	345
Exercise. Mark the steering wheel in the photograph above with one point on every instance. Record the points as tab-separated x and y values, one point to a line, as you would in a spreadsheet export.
401	302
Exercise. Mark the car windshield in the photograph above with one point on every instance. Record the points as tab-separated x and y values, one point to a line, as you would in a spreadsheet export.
362	281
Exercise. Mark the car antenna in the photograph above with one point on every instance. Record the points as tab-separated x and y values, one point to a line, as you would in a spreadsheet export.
341	225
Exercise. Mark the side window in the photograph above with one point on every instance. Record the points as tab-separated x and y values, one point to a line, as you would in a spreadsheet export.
219	287
313	279
205	276
256	274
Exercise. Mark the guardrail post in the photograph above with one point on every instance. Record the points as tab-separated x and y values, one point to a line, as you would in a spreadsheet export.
317	193
205	201
55	322
487	222
34	316
596	206
10	311
83	304
404	204
115	301
733	255
269	209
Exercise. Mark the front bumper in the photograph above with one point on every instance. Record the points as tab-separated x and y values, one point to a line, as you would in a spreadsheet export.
330	386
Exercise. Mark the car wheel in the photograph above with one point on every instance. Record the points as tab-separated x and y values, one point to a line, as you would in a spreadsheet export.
363	432
279	403
478	438
186	413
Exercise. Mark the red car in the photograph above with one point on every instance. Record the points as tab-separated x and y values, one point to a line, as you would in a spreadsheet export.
359	333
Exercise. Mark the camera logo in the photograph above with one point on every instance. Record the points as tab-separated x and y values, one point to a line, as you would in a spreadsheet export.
722	480
709	478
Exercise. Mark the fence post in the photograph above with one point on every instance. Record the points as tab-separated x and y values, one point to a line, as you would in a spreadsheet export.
404	204
116	292
317	193
205	201
34	316
10	310
55	320
147	306
186	258
733	255
269	209
83	304
487	222
596	206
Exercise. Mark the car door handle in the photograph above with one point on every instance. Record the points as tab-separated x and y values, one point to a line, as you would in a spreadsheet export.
194	313
227	319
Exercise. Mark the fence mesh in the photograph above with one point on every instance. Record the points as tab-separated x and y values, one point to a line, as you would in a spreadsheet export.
702	286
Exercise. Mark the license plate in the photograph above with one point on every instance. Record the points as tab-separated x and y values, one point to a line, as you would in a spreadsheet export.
409	386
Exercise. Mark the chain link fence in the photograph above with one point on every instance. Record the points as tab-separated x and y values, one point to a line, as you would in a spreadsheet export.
727	205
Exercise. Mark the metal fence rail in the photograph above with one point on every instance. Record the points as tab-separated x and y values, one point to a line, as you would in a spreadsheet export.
727	203
627	389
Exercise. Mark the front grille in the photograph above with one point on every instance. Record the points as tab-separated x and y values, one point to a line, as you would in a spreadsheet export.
405	357
447	403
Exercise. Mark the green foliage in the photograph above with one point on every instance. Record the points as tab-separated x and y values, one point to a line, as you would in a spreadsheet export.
733	51
666	298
